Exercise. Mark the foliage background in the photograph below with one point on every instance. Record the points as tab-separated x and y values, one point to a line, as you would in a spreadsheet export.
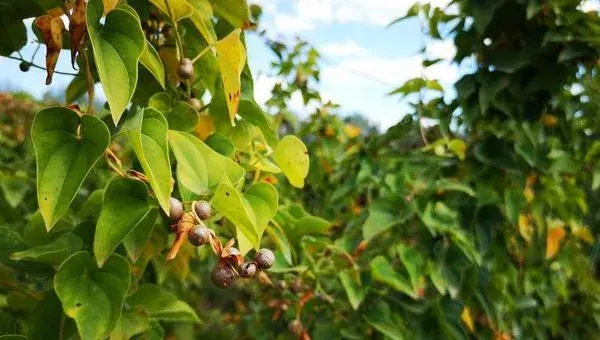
481	226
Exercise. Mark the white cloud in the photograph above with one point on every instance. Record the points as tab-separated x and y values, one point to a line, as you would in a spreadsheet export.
441	49
305	14
346	48
290	24
590	5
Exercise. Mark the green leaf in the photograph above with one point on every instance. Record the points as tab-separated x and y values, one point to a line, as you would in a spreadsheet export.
264	201
379	220
413	262
355	292
66	148
117	46
15	187
53	253
14	35
45	318
149	140
125	208
199	168
234	11
92	296
382	318
202	19
133	321
92	206
382	271
280	239
180	115
291	156
152	62
229	202
162	305
252	112
450	185
220	144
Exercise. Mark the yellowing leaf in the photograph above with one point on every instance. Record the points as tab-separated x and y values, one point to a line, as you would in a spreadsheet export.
555	235
458	148
109	5
582	232
205	126
529	194
352	131
467	318
525	228
181	9
291	156
168	55
232	58
77	28
52	29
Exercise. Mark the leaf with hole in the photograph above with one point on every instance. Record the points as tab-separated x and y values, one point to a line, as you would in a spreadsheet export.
93	297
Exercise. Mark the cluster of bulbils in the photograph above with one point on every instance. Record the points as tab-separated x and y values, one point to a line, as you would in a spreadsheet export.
231	263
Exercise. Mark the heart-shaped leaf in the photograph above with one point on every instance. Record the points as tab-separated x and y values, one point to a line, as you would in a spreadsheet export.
117	46
162	305
291	156
232	58
149	140
92	296
199	168
151	61
180	115
125	208
263	200
66	148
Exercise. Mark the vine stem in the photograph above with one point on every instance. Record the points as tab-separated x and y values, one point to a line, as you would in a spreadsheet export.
176	29
41	67
90	80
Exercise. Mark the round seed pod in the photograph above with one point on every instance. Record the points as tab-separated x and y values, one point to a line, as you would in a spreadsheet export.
199	235
203	209
248	269
186	69
223	276
24	66
175	209
195	103
295	327
264	258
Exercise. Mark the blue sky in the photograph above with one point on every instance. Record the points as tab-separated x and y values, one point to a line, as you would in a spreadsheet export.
362	59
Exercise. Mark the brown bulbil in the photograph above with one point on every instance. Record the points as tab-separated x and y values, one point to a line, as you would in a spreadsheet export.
264	258
203	209
175	209
248	269
199	235
186	69
295	327
223	276
195	103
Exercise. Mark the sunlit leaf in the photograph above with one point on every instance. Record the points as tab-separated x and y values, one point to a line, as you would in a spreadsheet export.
232	58
291	156
467	318
152	62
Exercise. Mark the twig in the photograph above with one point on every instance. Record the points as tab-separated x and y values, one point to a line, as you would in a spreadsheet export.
43	68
